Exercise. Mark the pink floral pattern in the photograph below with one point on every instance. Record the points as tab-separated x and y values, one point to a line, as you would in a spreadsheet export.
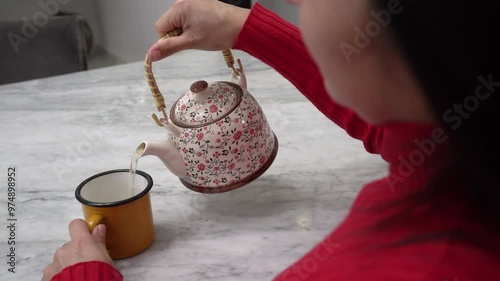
227	151
208	106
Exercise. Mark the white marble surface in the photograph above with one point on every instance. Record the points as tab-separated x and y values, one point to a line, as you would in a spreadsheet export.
60	130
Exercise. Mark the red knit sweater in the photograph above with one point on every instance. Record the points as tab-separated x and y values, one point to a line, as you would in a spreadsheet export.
359	248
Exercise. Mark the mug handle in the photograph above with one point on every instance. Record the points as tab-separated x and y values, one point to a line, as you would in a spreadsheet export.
94	221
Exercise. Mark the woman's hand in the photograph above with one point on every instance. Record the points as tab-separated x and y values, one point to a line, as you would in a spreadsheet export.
82	247
209	25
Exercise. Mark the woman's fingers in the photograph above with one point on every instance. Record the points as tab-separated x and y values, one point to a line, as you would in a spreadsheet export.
172	19
169	46
99	235
79	230
208	25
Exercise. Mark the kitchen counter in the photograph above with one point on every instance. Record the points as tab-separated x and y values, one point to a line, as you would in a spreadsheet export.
58	131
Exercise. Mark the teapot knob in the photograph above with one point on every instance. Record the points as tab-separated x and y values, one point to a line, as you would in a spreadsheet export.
199	86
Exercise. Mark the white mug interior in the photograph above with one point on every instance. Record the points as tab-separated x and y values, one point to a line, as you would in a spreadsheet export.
112	187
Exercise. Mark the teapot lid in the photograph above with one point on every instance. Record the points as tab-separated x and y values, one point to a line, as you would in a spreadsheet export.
206	103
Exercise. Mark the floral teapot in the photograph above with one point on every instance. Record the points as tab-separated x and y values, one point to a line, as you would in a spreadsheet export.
218	138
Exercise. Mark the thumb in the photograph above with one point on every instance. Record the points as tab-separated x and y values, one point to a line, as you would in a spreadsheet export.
99	235
169	46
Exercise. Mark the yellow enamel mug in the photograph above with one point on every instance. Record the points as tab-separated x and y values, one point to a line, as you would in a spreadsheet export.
106	199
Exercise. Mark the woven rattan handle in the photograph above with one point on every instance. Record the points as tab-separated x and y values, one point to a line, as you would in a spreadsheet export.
155	91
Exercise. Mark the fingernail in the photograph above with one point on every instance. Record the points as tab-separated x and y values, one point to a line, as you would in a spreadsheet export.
154	55
101	229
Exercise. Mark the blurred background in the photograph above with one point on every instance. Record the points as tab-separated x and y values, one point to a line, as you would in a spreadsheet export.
91	33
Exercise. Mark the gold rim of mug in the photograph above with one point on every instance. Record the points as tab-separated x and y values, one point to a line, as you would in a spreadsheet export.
84	201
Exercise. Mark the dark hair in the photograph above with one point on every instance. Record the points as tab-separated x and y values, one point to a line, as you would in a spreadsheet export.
452	49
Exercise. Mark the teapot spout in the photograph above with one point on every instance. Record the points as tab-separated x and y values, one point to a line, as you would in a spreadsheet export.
167	152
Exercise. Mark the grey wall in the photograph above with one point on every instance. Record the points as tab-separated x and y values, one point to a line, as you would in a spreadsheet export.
127	26
17	9
286	11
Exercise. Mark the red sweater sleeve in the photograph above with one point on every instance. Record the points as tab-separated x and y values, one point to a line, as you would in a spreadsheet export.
279	44
89	271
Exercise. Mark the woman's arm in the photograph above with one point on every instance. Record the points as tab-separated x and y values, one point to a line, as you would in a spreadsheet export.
279	44
89	271
84	258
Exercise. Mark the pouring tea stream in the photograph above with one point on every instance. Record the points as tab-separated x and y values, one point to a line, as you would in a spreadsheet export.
218	137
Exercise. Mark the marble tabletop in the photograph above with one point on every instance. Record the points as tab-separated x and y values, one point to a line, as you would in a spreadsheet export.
58	131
